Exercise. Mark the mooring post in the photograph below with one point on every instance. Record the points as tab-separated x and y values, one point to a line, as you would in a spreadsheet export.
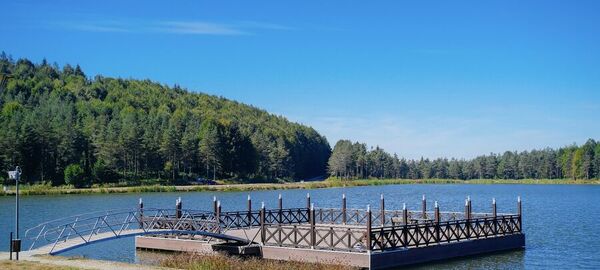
382	199
249	211
280	212
262	223
495	215
178	208
141	213
369	221
344	217
313	233
437	221
424	206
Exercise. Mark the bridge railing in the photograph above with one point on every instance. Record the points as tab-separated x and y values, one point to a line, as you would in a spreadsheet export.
92	226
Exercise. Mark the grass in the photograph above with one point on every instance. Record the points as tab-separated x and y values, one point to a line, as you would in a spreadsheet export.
47	189
195	261
26	265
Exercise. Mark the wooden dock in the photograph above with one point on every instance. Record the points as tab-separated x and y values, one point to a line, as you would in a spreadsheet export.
368	238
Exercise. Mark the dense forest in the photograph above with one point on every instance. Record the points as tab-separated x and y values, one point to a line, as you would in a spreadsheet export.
354	160
61	126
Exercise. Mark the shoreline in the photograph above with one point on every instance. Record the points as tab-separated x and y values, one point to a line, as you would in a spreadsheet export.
330	183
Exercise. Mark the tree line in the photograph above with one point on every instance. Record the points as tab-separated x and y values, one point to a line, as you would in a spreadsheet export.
354	160
61	126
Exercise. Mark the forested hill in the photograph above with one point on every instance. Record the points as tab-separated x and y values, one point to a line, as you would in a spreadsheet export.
106	129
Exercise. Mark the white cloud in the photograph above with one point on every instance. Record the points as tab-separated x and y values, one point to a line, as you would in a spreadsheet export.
198	28
172	27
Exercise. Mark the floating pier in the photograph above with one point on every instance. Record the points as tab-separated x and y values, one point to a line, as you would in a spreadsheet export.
368	238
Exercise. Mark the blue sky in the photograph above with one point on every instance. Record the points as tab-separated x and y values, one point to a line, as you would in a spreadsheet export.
419	78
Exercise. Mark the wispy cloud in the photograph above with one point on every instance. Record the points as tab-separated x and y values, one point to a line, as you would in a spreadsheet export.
170	27
198	28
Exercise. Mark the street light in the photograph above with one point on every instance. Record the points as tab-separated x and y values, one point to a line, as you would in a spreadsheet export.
16	243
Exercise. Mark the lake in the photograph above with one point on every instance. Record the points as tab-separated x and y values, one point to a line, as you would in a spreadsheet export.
559	221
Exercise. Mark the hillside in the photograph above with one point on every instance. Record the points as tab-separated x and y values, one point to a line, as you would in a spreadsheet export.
109	129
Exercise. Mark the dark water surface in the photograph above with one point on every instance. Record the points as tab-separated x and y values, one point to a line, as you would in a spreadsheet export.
560	221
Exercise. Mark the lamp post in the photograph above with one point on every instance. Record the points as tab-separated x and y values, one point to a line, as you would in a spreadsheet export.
16	175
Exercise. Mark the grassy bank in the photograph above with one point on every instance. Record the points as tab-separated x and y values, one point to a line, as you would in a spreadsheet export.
49	190
25	265
209	262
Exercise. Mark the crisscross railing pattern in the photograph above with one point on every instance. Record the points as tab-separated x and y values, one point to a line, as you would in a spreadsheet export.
425	234
90	227
330	237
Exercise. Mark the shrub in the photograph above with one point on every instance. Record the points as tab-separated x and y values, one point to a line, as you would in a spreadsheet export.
74	175
103	174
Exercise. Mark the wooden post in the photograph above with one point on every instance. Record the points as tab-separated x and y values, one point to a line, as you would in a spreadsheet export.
437	221
141	213
382	210
344	216
313	233
262	223
280	204
405	214
405	227
178	208
467	218
424	206
495	215
369	221
215	204
308	201
520	212
249	211
218	216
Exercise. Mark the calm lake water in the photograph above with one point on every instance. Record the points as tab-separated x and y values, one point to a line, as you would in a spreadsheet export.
560	221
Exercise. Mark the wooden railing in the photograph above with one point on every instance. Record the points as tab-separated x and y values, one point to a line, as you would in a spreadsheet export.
332	237
426	234
357	230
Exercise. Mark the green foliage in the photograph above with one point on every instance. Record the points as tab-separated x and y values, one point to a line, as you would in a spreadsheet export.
127	130
74	175
352	160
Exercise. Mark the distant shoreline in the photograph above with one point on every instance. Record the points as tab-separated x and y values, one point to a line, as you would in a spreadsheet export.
329	183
